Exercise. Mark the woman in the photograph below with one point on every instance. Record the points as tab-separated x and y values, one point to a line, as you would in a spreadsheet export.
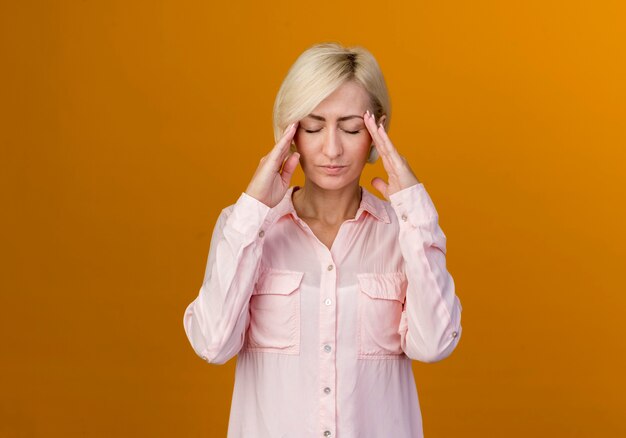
326	292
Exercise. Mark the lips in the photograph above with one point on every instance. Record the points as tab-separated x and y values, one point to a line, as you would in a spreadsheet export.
332	169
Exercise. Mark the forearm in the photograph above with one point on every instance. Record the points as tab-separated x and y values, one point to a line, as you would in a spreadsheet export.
216	321
430	326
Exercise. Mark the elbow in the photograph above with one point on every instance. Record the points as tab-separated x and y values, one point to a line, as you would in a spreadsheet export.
211	349
222	352
215	358
436	349
213	354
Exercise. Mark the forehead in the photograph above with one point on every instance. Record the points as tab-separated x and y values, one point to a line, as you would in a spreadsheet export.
349	98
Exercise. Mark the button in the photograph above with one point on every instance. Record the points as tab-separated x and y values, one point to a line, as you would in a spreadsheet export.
404	217
327	390
261	233
327	348
328	302
205	358
327	433
454	334
330	267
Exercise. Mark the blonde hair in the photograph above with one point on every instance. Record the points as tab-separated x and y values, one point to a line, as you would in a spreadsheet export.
319	71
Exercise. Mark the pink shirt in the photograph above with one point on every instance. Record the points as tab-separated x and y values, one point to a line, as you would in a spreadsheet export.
324	338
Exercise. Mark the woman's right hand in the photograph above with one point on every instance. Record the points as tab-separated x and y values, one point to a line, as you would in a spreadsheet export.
269	184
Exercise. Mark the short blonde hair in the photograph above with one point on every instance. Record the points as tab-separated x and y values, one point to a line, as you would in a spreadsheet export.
318	72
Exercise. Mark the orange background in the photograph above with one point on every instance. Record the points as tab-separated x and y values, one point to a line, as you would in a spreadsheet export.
127	126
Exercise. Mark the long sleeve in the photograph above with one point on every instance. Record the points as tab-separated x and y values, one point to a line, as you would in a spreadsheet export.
216	321
430	326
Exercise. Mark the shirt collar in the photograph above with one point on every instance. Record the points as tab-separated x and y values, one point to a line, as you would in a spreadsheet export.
369	202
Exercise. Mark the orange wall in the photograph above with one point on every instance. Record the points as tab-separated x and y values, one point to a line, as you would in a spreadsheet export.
127	126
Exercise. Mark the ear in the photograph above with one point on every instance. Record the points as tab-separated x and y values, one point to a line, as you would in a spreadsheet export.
382	120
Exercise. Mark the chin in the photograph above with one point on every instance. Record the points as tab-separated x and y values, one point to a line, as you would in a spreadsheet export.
334	182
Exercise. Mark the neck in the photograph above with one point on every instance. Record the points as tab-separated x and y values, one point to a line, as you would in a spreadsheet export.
331	207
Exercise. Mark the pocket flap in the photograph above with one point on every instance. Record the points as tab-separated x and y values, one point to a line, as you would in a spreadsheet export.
386	286
278	281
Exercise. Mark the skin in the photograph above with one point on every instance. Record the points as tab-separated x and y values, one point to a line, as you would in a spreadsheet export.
327	200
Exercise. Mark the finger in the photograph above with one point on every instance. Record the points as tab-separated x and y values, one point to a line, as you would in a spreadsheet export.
282	146
385	157
370	124
388	165
393	152
285	149
381	186
289	167
382	141
386	150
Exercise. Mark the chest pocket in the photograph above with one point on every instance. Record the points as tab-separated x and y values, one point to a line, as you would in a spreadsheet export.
380	304
275	312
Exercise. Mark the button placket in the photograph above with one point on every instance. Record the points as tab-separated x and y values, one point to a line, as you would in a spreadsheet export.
327	336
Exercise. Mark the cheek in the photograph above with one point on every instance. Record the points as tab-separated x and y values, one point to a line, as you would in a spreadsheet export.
362	146
304	150
304	145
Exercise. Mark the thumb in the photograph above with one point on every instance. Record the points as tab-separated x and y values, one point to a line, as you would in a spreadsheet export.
290	166
381	186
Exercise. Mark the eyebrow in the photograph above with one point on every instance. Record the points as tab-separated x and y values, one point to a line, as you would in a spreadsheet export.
340	119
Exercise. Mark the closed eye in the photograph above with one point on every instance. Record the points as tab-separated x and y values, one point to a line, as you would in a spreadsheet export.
348	132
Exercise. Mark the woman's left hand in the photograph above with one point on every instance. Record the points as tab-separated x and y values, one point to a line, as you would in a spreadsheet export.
398	170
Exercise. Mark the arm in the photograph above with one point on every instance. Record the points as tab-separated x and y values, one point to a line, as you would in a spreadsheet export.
430	327
217	320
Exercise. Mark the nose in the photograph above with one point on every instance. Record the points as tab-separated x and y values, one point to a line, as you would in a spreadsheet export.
332	146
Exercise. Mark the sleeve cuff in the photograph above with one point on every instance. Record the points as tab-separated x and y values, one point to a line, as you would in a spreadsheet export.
413	205
248	216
